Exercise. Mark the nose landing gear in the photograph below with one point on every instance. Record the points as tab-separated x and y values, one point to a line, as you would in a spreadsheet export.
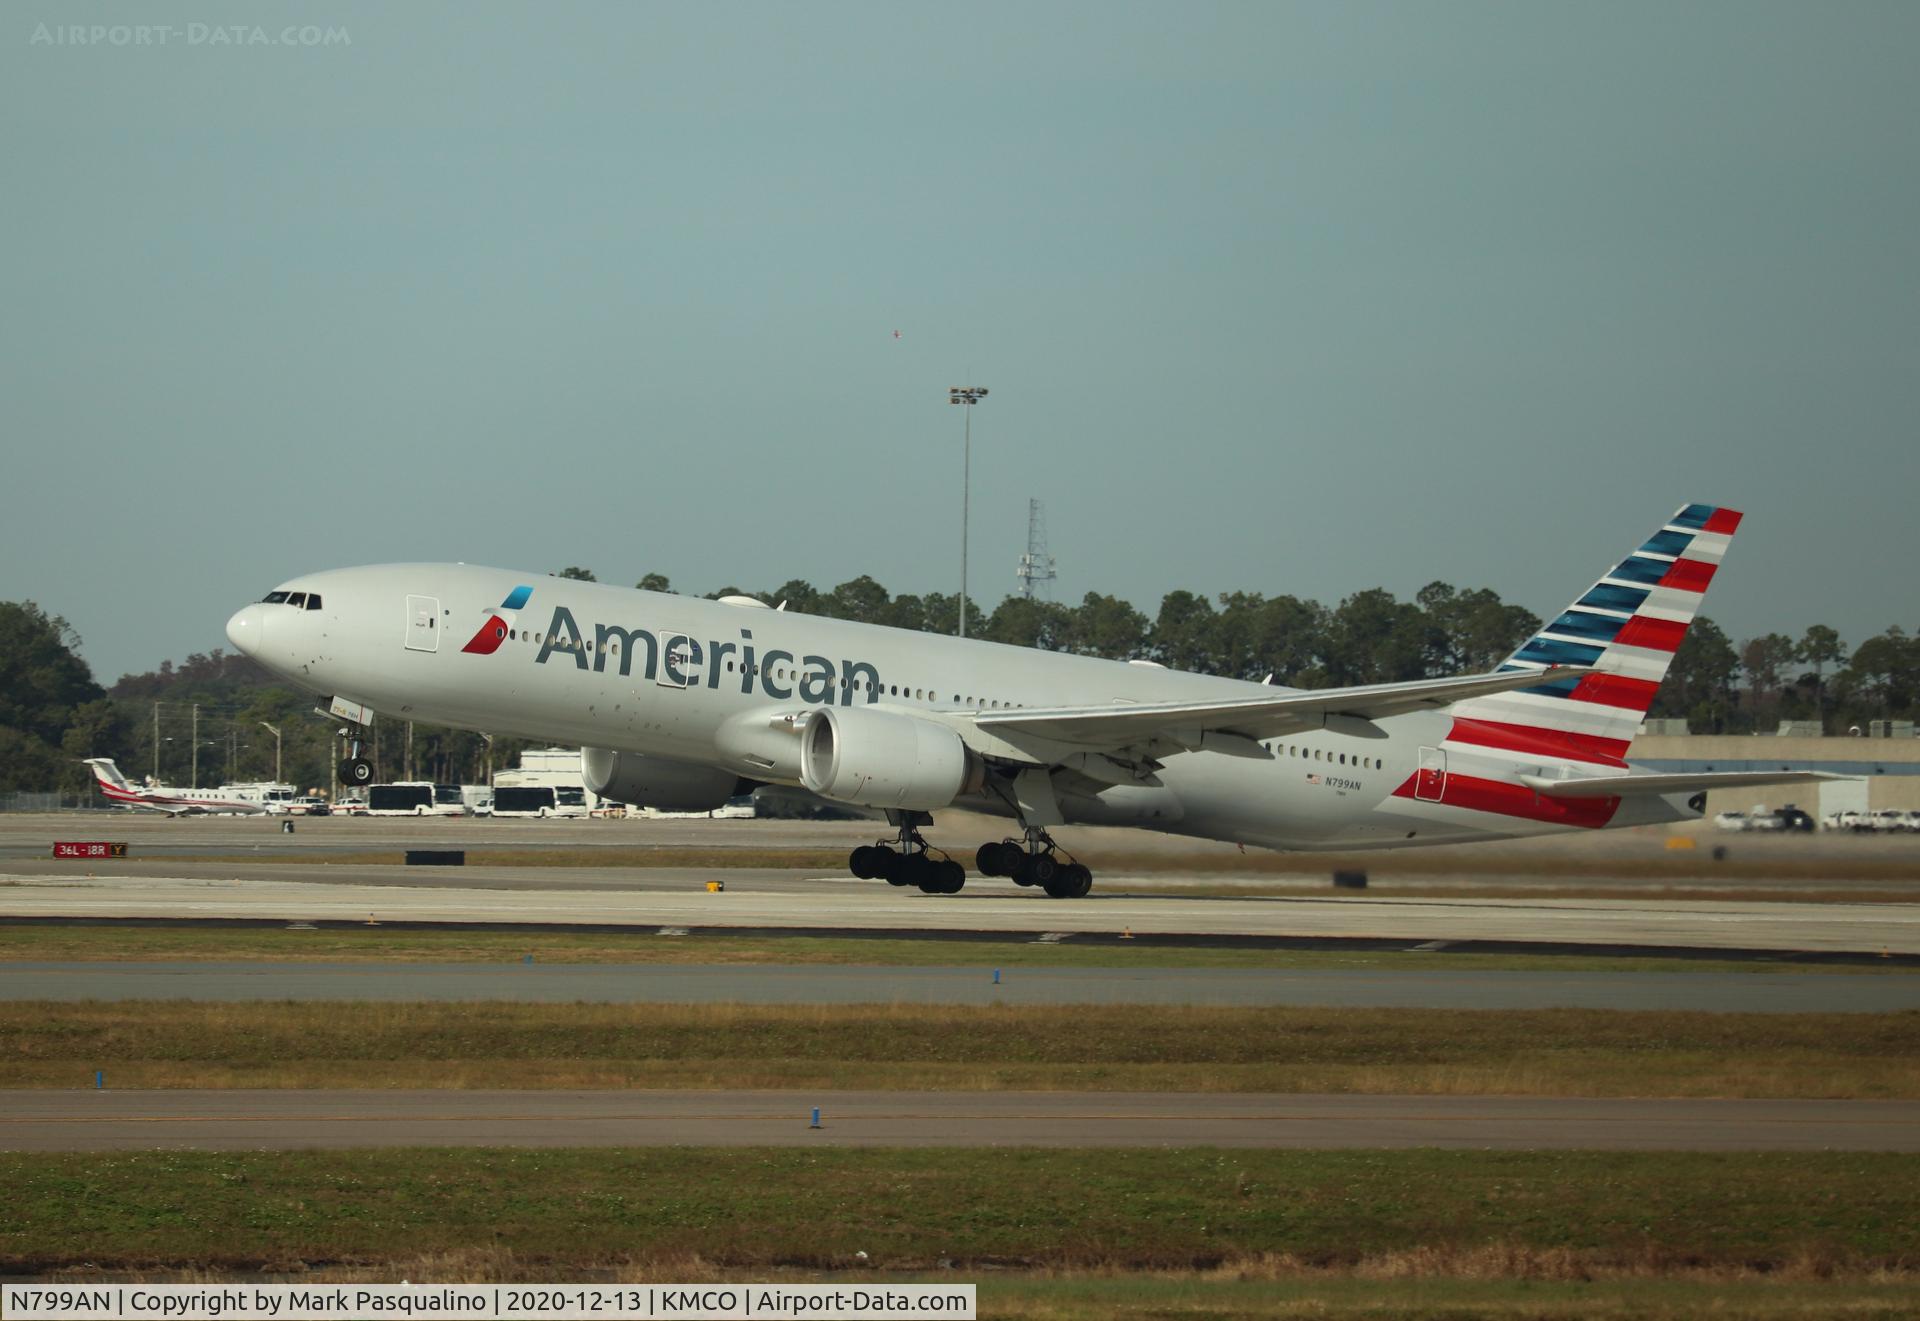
355	770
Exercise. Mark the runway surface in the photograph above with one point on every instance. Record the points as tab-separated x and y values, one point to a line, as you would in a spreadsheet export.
839	902
261	1120
1436	988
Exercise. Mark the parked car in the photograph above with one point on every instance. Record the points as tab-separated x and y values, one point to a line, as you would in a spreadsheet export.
1887	820
1760	818
1792	818
309	805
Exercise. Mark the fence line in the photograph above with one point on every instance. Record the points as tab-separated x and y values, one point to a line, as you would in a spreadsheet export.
54	802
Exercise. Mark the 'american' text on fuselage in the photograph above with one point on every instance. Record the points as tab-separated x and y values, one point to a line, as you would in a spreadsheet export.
683	660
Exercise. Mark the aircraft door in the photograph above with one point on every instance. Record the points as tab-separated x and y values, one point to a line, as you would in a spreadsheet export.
680	661
1430	781
423	623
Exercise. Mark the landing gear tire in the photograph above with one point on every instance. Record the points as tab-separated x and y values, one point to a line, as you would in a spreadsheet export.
897	868
948	877
913	869
1073	881
357	771
1001	859
869	862
1038	869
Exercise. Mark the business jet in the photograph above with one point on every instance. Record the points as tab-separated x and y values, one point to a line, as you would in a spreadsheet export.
160	798
681	703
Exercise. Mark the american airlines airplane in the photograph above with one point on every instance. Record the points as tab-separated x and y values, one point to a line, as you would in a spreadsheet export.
160	798
681	703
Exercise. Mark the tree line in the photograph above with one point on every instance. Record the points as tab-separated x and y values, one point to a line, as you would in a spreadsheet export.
1718	685
53	712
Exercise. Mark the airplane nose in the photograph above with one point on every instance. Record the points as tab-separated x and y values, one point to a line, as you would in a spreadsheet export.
247	630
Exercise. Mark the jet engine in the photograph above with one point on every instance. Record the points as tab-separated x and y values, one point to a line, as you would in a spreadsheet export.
658	782
883	759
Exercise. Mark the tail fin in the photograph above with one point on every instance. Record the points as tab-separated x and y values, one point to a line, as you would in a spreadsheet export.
1627	627
112	782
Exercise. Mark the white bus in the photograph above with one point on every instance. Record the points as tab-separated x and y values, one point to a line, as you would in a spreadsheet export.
539	800
415	798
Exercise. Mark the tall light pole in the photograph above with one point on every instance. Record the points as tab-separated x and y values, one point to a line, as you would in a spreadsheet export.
967	396
275	731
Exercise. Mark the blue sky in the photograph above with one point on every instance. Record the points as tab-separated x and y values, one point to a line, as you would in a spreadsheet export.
1270	297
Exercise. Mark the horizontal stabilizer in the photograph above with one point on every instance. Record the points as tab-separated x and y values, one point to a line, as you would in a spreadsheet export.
1622	786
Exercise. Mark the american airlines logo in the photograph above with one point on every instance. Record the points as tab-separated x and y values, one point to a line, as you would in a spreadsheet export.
686	662
494	631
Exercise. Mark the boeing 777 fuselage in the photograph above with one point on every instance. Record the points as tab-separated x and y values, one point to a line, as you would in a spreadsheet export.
681	703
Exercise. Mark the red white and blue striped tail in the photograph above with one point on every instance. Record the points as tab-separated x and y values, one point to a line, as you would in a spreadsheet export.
1627	627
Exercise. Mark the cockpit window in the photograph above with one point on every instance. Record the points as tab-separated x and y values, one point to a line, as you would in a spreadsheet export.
274	598
298	600
313	600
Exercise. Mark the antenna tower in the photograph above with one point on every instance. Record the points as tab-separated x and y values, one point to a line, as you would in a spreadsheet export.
1036	566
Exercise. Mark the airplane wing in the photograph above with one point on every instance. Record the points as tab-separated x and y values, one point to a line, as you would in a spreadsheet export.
1622	786
1172	726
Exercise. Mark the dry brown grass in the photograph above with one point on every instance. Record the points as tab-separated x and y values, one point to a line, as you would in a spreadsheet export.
355	943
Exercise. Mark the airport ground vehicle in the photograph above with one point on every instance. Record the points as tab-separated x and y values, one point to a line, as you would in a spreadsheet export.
414	798
1762	818
542	800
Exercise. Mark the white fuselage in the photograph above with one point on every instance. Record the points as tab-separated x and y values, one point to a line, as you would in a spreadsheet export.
709	683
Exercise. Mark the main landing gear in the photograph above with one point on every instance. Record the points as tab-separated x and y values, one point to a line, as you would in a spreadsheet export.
1033	859
1036	861
908	861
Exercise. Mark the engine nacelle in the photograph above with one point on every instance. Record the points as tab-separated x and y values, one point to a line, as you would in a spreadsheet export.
881	759
658	782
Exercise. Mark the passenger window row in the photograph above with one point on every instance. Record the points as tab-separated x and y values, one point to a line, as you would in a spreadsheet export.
1321	754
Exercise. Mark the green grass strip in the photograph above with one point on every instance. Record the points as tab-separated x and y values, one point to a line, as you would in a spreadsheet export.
1560	1052
559	1211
